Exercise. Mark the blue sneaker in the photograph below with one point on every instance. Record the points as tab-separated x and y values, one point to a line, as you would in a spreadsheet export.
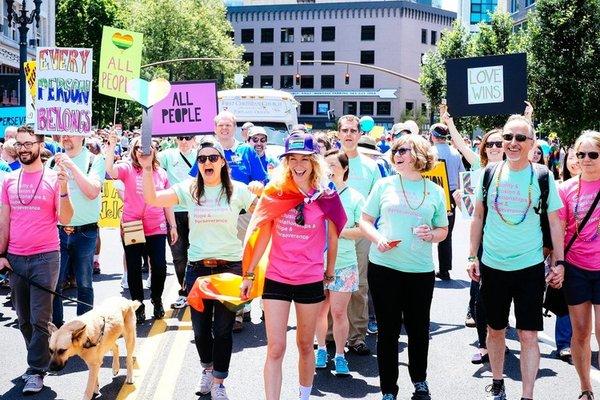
388	396
372	327
320	359
341	366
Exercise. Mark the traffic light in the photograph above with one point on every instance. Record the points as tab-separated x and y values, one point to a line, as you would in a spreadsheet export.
297	79
347	79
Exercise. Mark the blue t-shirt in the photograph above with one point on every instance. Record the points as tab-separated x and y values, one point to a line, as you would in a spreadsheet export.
53	147
15	165
453	161
383	146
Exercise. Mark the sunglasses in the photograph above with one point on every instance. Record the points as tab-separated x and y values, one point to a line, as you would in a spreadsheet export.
401	151
519	137
213	158
256	139
537	153
489	145
188	138
300	215
593	155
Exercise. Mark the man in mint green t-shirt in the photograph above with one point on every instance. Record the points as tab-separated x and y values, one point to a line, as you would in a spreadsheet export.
512	266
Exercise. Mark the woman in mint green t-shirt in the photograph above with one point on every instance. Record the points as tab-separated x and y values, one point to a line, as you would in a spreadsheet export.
412	215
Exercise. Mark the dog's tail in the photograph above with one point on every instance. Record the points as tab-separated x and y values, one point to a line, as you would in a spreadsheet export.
135	304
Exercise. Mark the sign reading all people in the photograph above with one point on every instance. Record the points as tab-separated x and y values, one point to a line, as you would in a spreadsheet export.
120	61
492	85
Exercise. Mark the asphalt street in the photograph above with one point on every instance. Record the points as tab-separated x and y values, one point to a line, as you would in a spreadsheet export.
168	366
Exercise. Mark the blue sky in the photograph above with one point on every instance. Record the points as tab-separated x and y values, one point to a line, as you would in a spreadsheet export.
451	5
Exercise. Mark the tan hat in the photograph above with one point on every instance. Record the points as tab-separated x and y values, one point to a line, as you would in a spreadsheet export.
368	146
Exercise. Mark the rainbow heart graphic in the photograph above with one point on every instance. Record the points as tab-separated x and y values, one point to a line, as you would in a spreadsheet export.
123	42
148	93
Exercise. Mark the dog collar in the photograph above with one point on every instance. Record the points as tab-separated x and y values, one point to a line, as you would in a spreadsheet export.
88	344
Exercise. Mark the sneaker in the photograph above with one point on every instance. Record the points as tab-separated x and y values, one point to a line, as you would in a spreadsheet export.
496	391
341	366
96	268
388	396
181	302
159	311
470	321
372	327
565	355
205	383
140	315
217	392
479	358
321	359
586	395
421	391
443	275
360	349
238	325
33	384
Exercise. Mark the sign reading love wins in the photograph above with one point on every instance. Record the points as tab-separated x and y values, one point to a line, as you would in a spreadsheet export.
120	61
486	84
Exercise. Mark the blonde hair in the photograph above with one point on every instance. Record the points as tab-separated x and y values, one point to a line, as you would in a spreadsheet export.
588	136
421	151
319	176
9	147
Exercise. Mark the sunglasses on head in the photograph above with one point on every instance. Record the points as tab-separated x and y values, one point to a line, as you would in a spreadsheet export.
188	138
593	155
213	158
519	137
401	151
257	139
489	145
300	215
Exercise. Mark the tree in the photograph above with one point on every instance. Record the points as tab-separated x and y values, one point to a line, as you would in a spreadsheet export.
564	49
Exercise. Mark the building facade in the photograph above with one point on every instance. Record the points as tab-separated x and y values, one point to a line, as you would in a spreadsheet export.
472	12
9	45
389	34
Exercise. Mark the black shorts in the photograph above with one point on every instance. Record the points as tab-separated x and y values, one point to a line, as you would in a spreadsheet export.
581	285
525	286
309	293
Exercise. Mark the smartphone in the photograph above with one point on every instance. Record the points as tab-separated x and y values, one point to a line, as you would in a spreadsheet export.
394	243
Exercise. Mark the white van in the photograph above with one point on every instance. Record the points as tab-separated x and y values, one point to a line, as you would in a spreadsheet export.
275	110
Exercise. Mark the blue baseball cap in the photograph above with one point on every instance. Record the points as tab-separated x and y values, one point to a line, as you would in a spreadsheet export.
299	143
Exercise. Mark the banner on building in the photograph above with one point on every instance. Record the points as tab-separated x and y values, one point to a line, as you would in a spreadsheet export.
63	102
491	85
439	175
11	116
120	61
112	206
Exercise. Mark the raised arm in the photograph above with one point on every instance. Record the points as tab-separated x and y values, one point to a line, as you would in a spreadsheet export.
458	140
109	160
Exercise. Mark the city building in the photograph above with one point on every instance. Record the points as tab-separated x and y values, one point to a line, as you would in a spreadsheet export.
435	3
9	45
389	34
472	12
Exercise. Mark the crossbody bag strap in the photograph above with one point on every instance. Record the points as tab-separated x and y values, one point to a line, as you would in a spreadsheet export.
583	222
185	159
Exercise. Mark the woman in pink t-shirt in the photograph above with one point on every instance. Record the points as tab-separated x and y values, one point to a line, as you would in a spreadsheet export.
154	221
582	273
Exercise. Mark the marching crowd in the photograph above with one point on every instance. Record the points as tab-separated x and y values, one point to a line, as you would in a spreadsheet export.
351	224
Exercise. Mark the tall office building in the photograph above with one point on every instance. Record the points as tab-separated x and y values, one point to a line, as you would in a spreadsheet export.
472	12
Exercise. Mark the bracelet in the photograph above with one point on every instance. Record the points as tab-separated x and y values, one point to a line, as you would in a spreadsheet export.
249	276
560	262
64	195
328	278
472	258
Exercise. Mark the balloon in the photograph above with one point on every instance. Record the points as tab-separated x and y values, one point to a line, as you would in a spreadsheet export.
366	124
545	147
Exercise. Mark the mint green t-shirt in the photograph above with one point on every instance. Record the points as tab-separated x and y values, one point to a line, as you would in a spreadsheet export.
476	164
177	169
363	173
513	247
353	202
85	211
396	221
213	225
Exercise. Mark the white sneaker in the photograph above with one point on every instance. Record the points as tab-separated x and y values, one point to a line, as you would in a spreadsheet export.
206	382
34	384
181	302
217	392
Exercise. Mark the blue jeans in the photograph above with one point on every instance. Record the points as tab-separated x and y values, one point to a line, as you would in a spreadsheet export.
563	332
76	253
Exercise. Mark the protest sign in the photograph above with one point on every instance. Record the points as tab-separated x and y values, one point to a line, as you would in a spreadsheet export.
112	206
468	182
491	85
29	68
190	108
467	205
63	102
11	116
120	61
439	175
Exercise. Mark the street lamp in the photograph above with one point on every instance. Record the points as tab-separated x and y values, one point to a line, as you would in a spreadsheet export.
23	19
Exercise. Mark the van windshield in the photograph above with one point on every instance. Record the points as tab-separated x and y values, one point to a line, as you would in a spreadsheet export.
277	132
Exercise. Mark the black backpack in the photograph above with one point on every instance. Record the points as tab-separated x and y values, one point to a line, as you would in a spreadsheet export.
541	172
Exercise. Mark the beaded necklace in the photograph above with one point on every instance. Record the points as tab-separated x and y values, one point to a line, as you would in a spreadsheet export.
529	191
406	198
578	226
34	193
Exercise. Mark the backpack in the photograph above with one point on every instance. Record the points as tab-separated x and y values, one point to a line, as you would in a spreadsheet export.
541	172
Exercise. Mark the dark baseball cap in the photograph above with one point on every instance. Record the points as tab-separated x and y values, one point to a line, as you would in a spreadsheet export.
299	143
439	130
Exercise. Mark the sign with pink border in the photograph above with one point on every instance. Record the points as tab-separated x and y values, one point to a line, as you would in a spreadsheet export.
189	109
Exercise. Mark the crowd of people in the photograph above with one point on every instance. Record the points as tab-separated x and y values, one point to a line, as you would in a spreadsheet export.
351	223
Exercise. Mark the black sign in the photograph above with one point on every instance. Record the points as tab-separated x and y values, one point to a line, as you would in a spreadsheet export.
490	85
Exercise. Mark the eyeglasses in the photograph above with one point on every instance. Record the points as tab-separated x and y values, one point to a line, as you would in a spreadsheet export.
489	145
188	138
537	153
213	158
593	155
26	145
257	139
519	137
401	151
300	216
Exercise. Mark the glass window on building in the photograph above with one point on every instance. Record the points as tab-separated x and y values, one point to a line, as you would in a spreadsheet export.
433	38
307	108
529	2
287	35
514	6
307	34
367	32
247	35
322	107
328	34
367	57
249	58
287	58
366	108
328	56
349	107
266	81
409	106
424	36
384	108
307	55
307	82
423	109
327	81
266	58
248	82
286	82
367	81
480	10
267	35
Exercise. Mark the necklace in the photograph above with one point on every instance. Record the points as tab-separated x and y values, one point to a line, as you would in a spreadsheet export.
34	193
578	226
529	191
406	198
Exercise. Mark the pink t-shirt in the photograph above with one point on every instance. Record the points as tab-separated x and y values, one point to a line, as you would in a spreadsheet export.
134	208
297	252
33	220
584	252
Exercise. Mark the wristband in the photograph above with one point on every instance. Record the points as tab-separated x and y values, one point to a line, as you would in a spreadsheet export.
328	278
472	258
63	195
249	276
560	262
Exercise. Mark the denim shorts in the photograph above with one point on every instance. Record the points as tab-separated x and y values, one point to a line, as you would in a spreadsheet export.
346	280
309	293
